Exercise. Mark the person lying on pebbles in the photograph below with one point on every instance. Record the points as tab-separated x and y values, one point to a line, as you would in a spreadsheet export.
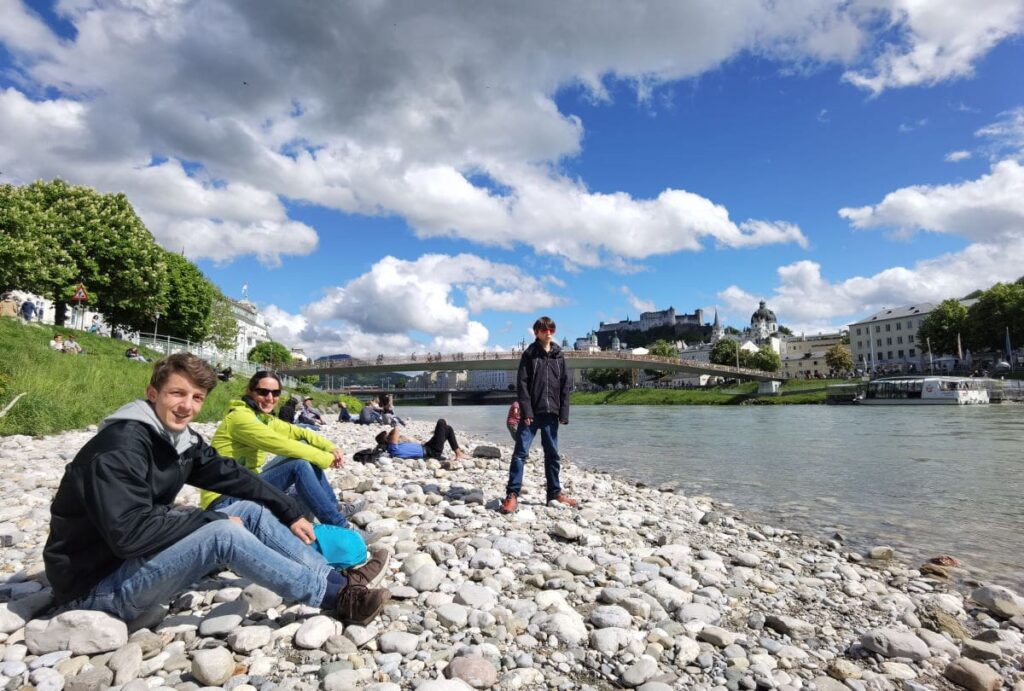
117	545
400	447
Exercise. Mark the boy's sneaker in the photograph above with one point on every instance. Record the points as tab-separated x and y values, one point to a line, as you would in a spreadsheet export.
359	605
369	574
510	504
567	500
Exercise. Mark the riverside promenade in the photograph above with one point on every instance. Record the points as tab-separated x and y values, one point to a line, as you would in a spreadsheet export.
639	588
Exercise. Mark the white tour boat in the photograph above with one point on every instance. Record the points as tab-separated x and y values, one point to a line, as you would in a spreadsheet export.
926	390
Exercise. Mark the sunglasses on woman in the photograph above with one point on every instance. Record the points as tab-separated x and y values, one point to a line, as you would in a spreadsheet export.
260	391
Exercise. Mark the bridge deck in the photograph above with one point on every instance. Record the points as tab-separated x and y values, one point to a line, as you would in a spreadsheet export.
447	362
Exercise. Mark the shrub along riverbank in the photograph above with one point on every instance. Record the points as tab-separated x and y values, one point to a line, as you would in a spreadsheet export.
793	392
66	392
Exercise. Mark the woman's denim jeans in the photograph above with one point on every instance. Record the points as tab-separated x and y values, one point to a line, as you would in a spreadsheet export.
263	550
310	485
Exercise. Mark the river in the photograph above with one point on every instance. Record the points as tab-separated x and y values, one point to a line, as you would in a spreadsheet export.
927	481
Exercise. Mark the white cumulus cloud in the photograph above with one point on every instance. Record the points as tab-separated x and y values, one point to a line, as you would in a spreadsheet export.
957	156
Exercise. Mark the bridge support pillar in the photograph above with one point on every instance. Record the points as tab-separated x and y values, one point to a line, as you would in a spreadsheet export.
768	387
444	398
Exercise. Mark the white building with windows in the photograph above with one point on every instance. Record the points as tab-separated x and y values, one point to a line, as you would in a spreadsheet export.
804	356
491	380
252	329
889	338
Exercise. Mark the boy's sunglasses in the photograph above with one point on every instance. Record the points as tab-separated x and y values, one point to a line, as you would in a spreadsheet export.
260	391
544	329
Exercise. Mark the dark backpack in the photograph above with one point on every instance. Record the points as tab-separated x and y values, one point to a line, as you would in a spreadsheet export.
368	455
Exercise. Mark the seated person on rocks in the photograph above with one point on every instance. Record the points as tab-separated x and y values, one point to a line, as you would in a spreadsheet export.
370	414
287	411
399	447
344	415
308	416
117	543
250	434
388	414
57	343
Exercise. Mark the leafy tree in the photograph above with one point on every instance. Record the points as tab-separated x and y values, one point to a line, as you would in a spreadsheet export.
270	353
1001	306
942	325
975	294
189	300
107	247
608	377
724	353
661	348
785	330
222	327
31	258
839	359
765	359
732	331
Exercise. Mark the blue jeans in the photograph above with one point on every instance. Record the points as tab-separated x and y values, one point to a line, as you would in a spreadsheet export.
264	551
309	483
547	424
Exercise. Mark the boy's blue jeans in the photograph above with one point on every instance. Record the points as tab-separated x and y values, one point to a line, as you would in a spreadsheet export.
310	485
263	550
547	425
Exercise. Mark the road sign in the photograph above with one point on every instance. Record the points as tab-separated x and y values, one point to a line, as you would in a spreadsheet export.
80	294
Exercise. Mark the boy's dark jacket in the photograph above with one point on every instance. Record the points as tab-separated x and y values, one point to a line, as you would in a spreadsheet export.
115	500
543	382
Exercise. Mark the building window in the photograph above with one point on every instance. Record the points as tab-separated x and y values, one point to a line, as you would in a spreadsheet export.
899	353
888	327
910	338
899	340
911	352
858	342
878	329
858	331
888	355
910	324
899	325
888	341
879	341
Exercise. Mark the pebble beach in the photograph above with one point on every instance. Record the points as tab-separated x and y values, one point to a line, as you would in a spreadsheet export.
639	587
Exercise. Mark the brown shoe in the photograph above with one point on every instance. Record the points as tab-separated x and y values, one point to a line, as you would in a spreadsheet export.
369	574
510	504
358	605
567	500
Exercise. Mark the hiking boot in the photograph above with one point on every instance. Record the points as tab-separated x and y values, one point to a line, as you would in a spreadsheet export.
510	504
567	500
359	605
370	573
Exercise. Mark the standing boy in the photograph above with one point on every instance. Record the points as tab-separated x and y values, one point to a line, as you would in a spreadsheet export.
543	386
119	545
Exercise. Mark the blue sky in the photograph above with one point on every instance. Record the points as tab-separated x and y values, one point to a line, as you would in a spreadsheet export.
389	180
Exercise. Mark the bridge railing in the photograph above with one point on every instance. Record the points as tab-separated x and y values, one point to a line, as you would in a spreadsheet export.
453	359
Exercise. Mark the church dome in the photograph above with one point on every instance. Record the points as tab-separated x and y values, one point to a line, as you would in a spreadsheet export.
762	315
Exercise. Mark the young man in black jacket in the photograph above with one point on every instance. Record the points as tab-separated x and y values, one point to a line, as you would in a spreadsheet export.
118	544
543	386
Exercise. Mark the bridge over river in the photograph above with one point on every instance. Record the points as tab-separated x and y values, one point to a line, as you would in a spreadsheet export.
448	362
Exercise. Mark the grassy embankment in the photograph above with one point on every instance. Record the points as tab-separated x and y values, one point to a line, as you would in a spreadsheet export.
794	391
64	392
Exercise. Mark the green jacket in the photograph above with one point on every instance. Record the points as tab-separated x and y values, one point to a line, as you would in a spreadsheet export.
250	438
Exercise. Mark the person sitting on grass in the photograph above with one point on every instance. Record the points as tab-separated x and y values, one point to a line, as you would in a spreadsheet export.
71	346
57	343
134	354
250	433
400	447
118	544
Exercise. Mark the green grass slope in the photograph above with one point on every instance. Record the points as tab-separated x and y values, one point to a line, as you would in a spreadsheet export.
64	392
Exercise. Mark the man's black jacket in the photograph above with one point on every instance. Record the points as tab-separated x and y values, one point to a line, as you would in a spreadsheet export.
543	382
114	503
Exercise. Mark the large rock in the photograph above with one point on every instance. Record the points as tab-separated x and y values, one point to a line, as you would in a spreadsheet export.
609	641
249	638
399	642
487	559
973	676
314	632
260	599
639	672
414	562
126	663
567	627
580	566
999	600
487	452
696	611
475	596
213	666
225	618
608	616
797	629
452	616
426	578
80	631
476	671
895	643
667	595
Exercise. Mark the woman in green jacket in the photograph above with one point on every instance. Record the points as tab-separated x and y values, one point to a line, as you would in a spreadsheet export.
250	433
